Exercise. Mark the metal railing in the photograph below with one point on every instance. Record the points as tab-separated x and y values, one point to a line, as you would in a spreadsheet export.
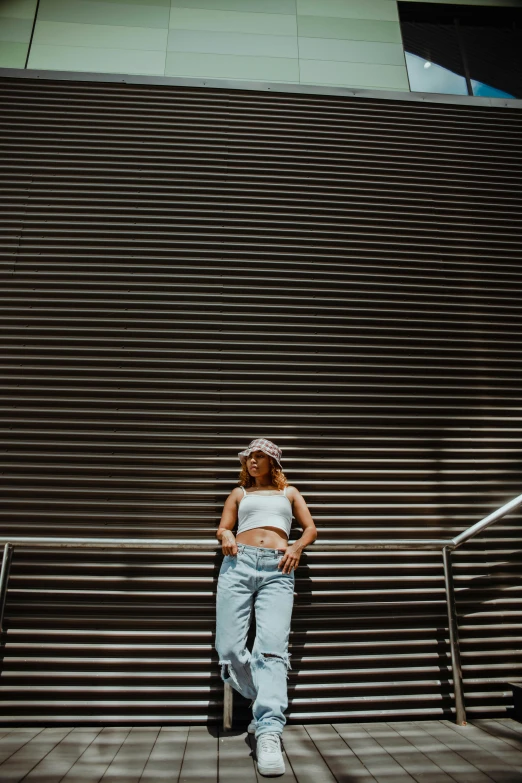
174	545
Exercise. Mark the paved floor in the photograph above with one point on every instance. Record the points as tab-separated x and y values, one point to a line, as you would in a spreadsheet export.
416	751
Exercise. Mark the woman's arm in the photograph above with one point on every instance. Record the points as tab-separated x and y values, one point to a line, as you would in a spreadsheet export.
292	556
228	522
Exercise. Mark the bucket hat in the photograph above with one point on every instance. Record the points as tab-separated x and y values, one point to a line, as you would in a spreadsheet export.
264	445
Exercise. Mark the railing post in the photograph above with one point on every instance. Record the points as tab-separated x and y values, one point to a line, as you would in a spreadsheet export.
454	638
4	579
228	707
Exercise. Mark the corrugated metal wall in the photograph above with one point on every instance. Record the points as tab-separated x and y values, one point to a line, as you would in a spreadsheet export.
185	269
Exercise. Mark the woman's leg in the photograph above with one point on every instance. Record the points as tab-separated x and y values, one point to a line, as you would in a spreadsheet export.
233	616
270	661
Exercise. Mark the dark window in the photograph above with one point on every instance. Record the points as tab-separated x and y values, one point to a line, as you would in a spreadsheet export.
462	49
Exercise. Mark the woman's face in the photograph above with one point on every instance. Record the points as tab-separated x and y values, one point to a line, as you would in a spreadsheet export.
258	464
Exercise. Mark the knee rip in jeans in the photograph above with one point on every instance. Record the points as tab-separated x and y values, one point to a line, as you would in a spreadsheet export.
225	670
266	658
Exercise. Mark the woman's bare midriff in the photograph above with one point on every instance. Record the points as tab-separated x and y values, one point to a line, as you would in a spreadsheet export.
270	537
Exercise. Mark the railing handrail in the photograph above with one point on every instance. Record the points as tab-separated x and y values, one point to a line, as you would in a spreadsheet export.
478	527
173	544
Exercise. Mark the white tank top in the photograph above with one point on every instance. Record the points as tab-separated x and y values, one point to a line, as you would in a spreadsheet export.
260	510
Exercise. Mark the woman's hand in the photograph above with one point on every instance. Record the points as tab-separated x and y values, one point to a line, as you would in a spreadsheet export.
228	520
228	542
292	555
291	558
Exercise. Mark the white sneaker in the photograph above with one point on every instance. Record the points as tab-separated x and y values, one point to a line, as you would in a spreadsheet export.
252	727
270	760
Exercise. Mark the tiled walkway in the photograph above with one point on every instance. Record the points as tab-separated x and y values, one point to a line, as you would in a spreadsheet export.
419	751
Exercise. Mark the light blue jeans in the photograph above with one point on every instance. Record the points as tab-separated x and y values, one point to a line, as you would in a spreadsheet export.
252	581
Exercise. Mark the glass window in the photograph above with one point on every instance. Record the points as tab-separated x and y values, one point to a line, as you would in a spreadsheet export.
426	76
493	46
450	45
485	91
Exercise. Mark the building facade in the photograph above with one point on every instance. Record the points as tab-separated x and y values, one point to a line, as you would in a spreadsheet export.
188	265
339	43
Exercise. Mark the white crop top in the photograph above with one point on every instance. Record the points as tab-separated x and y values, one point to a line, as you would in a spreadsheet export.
270	510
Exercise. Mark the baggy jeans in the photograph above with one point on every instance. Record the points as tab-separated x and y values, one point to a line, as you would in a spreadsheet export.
251	580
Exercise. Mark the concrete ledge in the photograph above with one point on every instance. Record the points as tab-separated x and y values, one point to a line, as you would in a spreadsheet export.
276	87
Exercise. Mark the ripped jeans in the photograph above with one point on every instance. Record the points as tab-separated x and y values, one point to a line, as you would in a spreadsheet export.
251	580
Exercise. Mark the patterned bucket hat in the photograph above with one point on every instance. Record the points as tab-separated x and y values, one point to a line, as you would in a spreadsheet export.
264	445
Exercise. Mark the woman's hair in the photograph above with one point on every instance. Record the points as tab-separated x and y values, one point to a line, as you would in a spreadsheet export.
278	478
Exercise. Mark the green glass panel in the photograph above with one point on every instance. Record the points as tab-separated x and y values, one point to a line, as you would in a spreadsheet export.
73	58
100	36
351	51
380	77
232	43
86	12
248	6
17	9
12	54
350	9
148	3
232	67
230	21
17	30
350	29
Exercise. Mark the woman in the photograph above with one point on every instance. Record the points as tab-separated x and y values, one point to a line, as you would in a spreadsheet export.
258	572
